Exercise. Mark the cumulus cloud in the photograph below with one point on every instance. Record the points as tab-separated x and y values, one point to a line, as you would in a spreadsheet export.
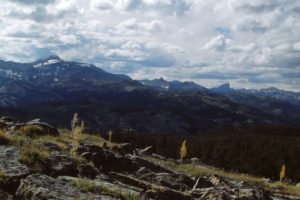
218	43
251	43
297	46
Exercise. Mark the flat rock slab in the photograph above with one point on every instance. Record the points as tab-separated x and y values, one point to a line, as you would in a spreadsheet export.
40	187
10	166
111	186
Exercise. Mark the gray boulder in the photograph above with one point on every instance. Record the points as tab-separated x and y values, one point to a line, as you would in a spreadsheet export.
88	171
111	186
49	145
42	187
58	165
151	165
106	160
11	170
47	129
125	148
8	121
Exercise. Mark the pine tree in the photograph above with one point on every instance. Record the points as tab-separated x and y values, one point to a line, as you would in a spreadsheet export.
282	173
183	150
110	133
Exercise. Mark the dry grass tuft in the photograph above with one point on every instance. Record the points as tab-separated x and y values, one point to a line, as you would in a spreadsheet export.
30	130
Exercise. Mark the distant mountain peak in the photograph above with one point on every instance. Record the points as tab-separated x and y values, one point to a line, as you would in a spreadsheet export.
161	79
222	88
52	59
271	89
225	85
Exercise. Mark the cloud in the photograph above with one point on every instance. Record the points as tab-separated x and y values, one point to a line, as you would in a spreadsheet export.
102	4
133	26
170	7
32	2
250	43
297	46
218	43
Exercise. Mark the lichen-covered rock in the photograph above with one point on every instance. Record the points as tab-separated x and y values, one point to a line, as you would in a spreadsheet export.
47	129
106	160
153	191
11	170
179	182
110	186
50	145
152	165
88	148
8	121
86	170
125	148
58	165
146	151
43	187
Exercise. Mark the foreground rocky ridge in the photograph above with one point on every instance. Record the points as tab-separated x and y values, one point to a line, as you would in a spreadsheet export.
38	167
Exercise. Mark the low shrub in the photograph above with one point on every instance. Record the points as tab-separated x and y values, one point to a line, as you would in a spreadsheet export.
30	130
34	158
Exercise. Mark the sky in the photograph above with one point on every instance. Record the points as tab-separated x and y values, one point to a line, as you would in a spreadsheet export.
248	43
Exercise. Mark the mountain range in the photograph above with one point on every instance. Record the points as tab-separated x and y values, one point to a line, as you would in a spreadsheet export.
53	89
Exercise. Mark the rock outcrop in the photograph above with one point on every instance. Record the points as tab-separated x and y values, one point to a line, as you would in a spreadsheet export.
11	170
42	187
57	164
120	172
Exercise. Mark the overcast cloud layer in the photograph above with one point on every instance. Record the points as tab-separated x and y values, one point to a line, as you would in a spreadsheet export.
249	43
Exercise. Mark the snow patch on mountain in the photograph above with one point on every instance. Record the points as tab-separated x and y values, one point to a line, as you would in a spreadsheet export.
84	65
48	62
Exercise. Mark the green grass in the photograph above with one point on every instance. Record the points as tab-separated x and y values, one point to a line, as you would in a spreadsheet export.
87	185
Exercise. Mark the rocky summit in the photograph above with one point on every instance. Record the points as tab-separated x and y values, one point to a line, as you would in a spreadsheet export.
39	162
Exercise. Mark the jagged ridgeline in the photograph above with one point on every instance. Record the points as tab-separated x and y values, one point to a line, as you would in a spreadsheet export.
53	90
39	161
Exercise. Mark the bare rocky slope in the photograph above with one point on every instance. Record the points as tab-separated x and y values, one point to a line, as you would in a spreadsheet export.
36	164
